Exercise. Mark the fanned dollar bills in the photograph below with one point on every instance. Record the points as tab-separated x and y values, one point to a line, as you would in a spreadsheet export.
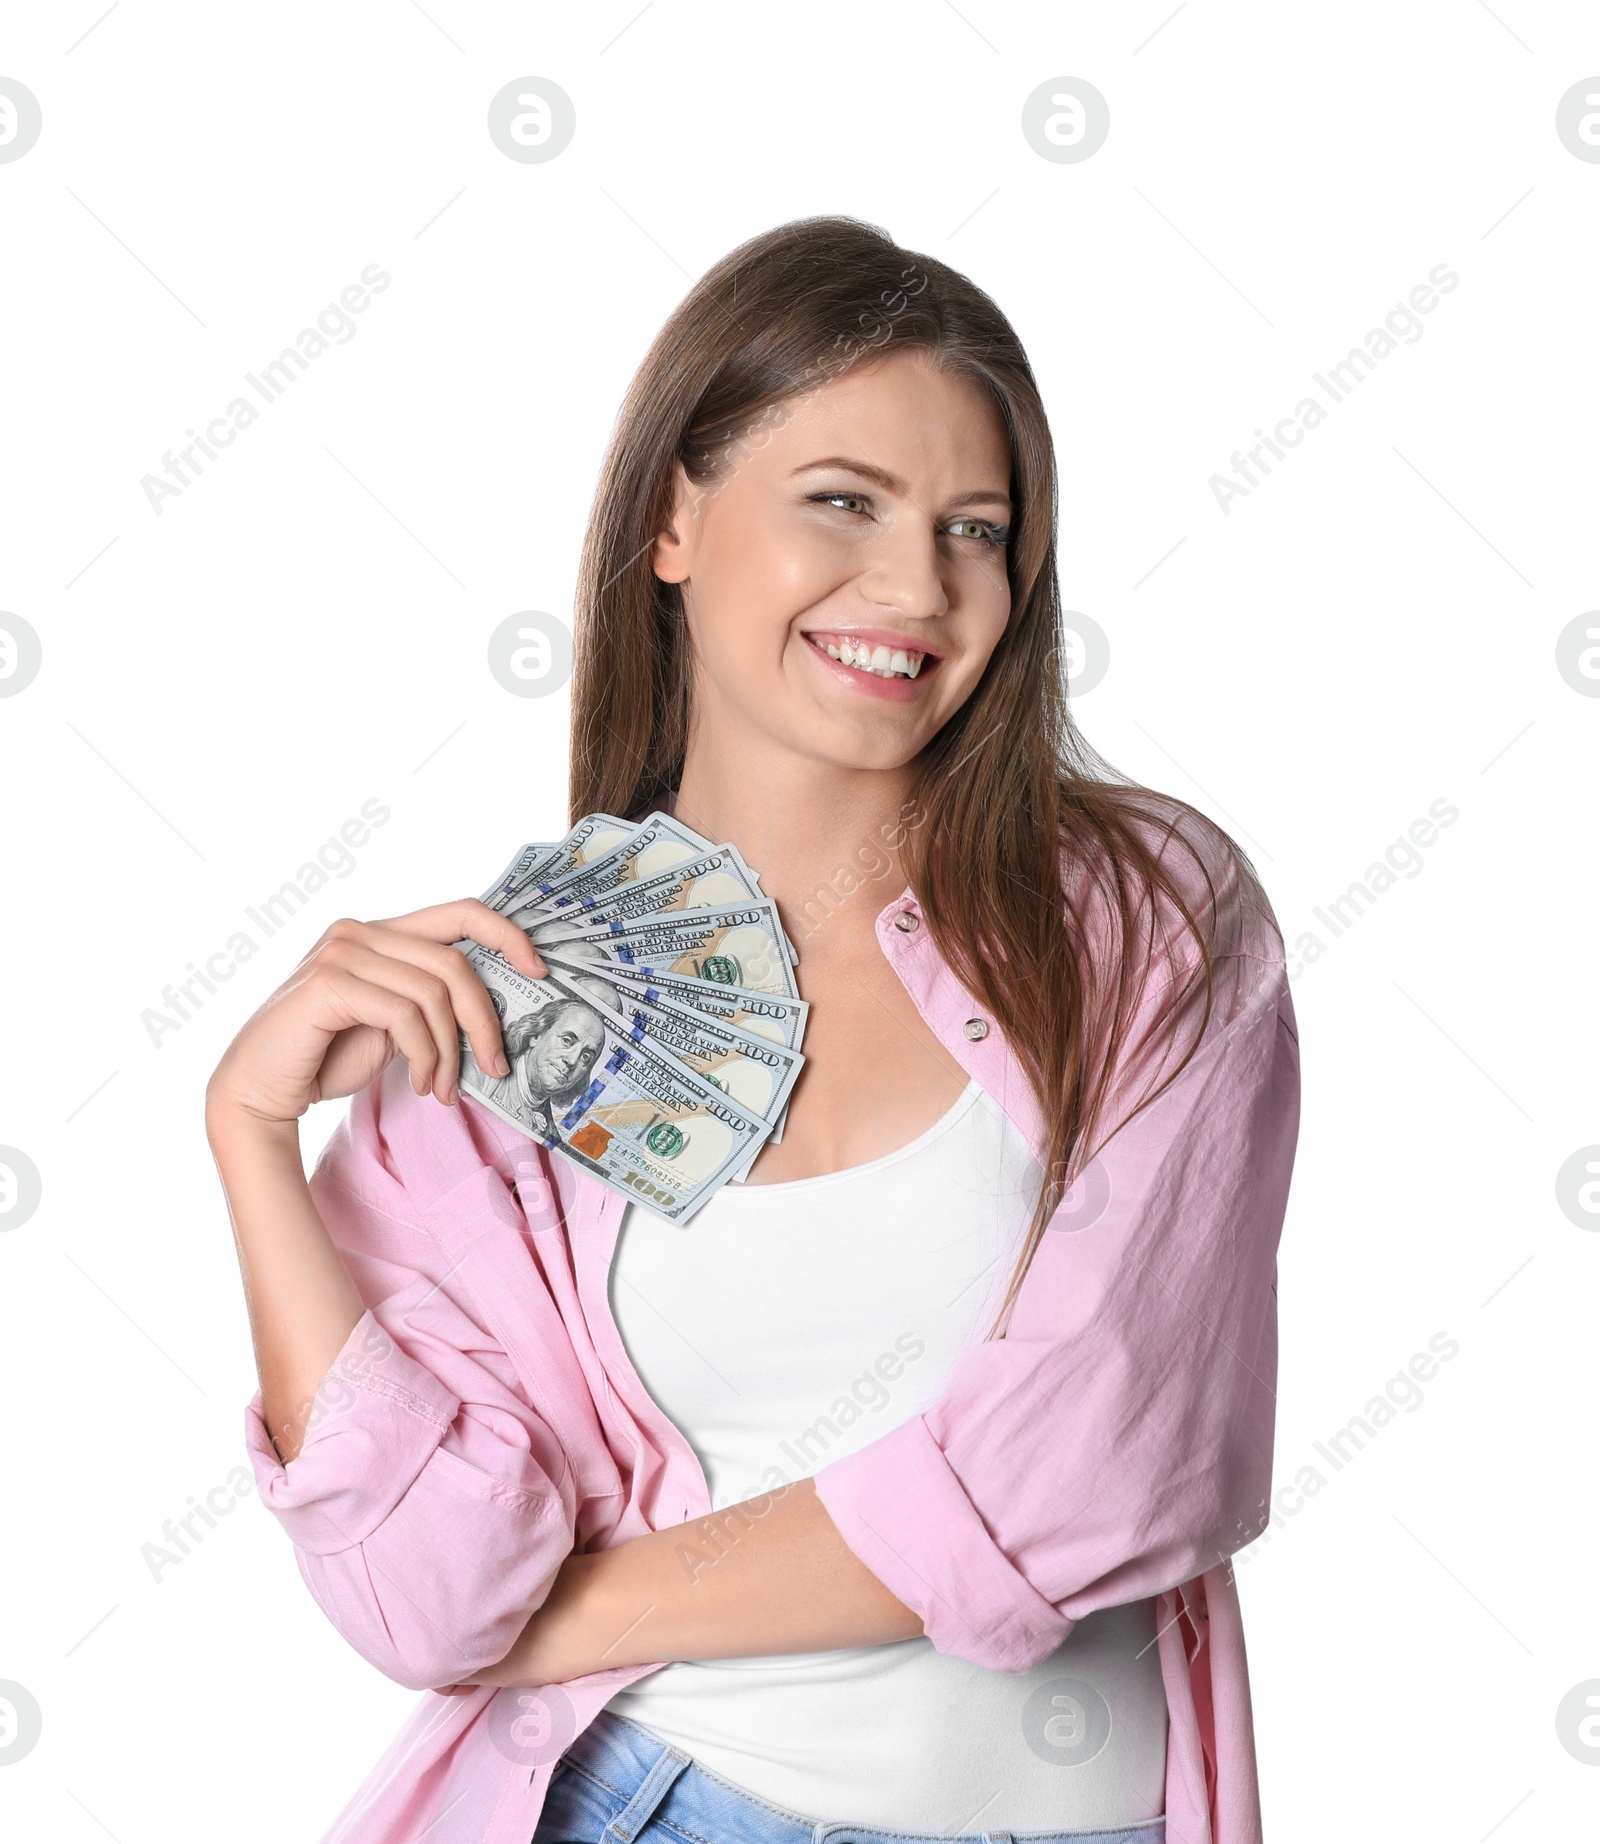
660	1052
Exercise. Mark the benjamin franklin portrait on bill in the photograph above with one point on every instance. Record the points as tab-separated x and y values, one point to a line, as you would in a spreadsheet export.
551	1052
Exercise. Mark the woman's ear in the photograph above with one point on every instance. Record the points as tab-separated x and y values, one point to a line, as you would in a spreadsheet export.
671	550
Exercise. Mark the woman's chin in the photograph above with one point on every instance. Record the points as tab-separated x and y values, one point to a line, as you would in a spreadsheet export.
861	748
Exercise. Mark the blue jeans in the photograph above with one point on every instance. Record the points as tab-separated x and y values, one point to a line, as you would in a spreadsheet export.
620	1782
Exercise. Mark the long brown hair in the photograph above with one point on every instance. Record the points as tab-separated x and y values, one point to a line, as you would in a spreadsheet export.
777	317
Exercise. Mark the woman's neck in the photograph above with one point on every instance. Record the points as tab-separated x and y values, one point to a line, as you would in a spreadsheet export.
828	842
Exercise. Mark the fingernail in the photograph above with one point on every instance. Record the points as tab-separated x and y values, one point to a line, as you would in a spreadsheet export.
501	1066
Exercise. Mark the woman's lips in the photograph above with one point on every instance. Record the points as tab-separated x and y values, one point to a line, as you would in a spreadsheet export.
876	662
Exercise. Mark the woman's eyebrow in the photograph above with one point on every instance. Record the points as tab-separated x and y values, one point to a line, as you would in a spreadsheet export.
892	483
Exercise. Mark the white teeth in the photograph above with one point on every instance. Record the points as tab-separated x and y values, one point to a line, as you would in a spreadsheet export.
882	661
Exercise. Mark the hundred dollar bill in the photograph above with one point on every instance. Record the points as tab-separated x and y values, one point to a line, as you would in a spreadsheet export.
733	946
584	1087
755	882
520	867
660	844
771	1016
754	1070
710	881
755	878
775	1016
595	836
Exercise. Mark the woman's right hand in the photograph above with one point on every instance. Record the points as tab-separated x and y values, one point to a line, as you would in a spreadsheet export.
365	991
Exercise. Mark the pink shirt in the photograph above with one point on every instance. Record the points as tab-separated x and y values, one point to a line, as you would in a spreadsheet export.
483	1418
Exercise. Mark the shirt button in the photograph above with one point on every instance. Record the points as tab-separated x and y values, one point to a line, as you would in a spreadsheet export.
976	1028
905	921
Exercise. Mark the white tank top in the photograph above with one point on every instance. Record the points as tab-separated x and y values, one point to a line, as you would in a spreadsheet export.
786	1324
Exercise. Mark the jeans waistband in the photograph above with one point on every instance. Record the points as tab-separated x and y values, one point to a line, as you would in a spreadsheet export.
654	1778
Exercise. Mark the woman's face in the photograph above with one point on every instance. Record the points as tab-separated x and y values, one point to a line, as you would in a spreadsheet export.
860	527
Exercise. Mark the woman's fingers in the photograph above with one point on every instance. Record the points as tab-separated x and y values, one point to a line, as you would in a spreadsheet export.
363	992
367	991
376	1003
470	919
437	982
469	995
421	937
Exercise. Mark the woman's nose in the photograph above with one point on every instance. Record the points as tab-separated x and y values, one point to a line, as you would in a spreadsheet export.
905	573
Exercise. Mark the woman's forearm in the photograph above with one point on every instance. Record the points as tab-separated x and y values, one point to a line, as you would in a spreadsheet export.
302	1302
767	1577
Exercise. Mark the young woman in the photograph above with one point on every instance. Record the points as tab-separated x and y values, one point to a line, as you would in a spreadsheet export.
892	1495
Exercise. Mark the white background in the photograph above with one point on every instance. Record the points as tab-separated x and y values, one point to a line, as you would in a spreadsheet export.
1372	629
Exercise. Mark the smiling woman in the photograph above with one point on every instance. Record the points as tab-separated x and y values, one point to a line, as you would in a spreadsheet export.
609	1483
890	584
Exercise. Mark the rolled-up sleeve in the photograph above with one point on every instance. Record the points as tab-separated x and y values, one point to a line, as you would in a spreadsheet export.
429	1505
1117	1441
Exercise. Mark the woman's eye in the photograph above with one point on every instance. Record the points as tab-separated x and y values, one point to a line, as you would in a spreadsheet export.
983	529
